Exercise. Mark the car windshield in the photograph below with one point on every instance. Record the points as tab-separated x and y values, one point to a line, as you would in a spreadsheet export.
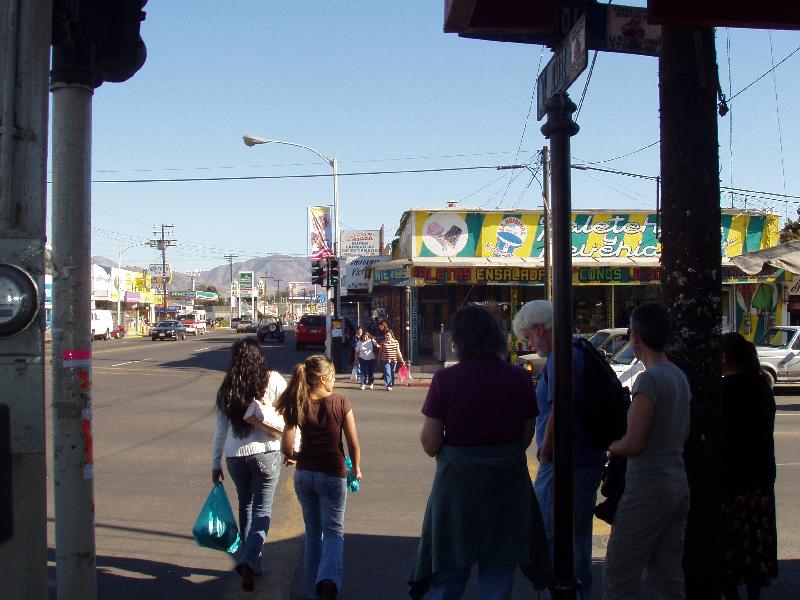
777	337
185	318
624	356
167	323
598	338
313	321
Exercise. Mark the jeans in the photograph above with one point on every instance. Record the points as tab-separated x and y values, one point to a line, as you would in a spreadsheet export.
586	480
255	477
323	499
366	371
388	372
494	582
647	537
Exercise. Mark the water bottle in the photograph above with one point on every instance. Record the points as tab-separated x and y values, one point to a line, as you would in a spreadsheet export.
352	483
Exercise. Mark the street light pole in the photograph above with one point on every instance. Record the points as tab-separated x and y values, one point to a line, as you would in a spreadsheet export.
252	140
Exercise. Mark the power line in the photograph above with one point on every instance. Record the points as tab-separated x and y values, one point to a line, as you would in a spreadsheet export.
760	77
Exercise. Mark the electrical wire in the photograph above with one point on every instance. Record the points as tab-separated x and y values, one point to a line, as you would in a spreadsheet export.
600	162
760	77
777	110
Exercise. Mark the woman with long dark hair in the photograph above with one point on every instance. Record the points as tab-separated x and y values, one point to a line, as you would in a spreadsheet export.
749	535
252	453
310	406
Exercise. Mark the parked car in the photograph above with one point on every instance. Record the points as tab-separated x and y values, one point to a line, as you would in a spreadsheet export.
608	341
168	330
311	329
270	328
102	324
532	363
779	354
246	325
235	322
626	365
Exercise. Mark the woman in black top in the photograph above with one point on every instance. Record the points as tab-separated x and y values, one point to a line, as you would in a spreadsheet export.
749	537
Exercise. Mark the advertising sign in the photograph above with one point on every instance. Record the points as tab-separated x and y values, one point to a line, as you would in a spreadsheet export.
246	283
355	277
360	243
157	274
320	231
595	234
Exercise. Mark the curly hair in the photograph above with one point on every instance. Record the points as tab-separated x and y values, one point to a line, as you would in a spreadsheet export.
246	380
292	404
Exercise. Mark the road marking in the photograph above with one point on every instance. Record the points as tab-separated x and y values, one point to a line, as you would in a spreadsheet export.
200	349
791	414
130	362
787	433
787	465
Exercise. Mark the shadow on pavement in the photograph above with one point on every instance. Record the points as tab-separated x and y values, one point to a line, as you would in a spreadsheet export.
787	407
126	578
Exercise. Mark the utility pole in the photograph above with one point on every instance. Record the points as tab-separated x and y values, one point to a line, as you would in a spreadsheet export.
691	217
193	274
229	258
162	244
25	28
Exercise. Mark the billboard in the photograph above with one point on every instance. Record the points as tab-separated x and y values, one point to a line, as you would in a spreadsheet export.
246	283
355	277
320	231
157	274
364	242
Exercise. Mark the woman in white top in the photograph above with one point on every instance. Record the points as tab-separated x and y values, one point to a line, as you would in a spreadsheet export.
251	446
365	351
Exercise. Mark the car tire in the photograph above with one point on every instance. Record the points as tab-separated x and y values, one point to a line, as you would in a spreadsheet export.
107	336
770	377
272	327
154	338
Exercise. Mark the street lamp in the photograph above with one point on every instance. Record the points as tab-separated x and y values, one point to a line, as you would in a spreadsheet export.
119	268
252	140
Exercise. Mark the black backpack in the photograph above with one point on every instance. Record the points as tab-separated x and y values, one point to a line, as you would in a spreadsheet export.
604	409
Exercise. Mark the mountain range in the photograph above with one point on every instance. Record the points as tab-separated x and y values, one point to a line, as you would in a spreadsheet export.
281	269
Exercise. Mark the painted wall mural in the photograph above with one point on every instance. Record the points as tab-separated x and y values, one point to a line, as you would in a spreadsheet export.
758	307
595	234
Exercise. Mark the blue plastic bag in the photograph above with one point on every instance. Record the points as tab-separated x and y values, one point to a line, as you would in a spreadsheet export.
215	526
353	484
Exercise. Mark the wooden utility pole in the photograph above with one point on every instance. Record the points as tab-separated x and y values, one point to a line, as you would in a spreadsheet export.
691	277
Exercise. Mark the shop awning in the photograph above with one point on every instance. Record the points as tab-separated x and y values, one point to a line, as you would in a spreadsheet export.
783	256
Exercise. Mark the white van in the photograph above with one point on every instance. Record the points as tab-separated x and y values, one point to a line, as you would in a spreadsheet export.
102	324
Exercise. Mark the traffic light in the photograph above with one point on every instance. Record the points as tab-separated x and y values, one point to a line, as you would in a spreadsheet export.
333	271
119	50
317	273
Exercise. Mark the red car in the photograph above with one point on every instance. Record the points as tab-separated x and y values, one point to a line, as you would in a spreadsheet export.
310	330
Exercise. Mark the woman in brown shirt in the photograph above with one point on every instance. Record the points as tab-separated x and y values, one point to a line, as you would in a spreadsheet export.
320	480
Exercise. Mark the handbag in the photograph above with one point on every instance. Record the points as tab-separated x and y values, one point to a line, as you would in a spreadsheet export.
612	486
215	526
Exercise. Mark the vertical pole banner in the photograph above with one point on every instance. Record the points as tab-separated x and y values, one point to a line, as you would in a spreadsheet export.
320	231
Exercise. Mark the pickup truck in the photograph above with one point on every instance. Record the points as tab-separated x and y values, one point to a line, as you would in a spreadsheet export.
193	324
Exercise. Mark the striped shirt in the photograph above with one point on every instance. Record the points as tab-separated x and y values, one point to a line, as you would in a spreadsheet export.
390	350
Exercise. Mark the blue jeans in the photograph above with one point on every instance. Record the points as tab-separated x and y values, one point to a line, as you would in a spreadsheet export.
494	582
388	372
255	477
323	499
366	371
586	480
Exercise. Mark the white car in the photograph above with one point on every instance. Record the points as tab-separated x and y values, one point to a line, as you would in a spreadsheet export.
608	341
626	365
779	354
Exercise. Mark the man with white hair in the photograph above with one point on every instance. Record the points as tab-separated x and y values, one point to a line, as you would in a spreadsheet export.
534	322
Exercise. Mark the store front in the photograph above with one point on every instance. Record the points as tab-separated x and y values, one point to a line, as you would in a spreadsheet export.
446	259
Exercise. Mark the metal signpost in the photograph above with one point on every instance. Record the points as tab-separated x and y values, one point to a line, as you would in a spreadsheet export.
568	62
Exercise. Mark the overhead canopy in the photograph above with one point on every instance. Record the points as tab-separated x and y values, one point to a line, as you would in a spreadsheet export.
783	256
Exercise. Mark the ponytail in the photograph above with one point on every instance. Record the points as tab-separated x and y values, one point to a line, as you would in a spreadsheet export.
292	404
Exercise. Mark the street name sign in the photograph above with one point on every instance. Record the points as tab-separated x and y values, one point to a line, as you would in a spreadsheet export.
568	62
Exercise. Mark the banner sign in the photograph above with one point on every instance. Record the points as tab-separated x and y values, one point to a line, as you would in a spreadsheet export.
206	296
246	283
157	274
360	243
319	231
595	234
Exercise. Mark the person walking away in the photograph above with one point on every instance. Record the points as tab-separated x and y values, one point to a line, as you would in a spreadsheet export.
534	322
479	419
648	530
354	352
749	534
320	480
365	353
251	453
391	358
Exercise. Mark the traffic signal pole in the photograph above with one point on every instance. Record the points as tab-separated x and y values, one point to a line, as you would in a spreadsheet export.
24	59
73	475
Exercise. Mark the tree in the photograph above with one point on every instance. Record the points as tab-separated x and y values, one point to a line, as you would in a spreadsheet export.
791	230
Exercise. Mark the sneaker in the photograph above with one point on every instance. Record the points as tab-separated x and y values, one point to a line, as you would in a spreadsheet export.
371	386
248	580
363	387
326	589
388	388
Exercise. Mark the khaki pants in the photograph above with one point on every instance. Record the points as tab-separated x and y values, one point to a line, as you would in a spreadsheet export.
647	537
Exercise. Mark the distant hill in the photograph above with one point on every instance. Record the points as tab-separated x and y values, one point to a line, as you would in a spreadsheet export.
283	268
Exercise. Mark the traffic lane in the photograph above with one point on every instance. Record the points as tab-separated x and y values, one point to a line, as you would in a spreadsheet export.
152	429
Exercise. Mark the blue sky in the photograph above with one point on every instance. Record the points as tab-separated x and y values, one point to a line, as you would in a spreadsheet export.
380	87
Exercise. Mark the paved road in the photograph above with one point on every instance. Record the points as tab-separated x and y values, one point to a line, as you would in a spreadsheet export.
153	422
